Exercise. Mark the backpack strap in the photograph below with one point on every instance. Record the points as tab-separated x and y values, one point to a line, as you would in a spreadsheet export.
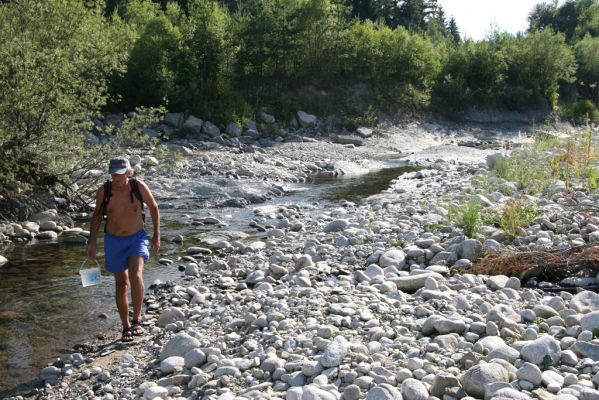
136	192
107	195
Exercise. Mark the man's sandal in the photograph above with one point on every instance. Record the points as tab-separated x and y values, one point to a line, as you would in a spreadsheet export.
127	335
136	328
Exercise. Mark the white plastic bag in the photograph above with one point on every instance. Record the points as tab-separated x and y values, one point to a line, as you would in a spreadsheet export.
90	276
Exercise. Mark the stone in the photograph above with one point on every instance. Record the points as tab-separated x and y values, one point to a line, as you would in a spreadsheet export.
470	249
412	389
590	321
541	351
172	364
336	225
492	159
364	132
476	378
530	372
442	381
194	124
3	260
174	119
393	257
210	129
412	283
585	302
194	358
170	315
306	120
178	345
313	392
335	352
384	392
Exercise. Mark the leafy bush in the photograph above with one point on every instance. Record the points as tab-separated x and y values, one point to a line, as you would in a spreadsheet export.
55	60
516	214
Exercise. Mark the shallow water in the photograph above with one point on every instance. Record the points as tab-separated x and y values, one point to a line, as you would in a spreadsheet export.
44	310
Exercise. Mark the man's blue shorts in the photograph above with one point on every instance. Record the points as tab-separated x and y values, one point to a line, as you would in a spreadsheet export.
118	249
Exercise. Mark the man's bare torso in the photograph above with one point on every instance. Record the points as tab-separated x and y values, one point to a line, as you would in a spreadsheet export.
124	215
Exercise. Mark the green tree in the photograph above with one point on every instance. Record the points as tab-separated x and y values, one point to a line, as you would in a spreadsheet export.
538	63
587	76
55	60
208	35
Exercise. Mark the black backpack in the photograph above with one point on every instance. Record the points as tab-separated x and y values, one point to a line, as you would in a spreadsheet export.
134	193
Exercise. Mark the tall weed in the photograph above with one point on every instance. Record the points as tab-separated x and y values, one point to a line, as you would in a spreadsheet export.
467	217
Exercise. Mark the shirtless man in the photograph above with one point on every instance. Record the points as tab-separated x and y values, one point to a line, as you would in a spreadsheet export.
125	240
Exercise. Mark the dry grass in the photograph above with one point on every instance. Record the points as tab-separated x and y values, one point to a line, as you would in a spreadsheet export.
548	265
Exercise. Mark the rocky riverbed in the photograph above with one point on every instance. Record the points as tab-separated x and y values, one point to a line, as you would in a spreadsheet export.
348	300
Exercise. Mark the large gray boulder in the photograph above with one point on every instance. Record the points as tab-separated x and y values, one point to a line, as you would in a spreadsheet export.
335	352
210	129
590	321
174	119
585	302
306	120
541	351
470	249
170	315
179	345
193	124
384	392
391	257
412	389
475	379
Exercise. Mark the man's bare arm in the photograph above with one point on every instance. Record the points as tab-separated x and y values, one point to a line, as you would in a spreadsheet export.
94	225
148	198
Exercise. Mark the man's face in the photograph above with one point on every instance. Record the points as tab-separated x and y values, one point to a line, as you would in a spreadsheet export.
119	178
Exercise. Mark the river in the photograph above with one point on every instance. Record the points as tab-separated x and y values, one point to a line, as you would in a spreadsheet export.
44	310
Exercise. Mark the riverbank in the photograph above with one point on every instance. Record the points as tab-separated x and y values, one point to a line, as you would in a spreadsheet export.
352	299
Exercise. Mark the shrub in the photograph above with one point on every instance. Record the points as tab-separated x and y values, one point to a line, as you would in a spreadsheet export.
516	214
55	60
467	217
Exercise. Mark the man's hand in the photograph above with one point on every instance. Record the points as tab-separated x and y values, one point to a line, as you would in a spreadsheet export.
155	245
90	252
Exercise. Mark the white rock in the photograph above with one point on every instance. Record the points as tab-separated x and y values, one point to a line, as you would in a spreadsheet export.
412	389
313	392
336	225
335	352
530	372
170	315
476	378
393	257
544	348
156	392
384	392
306	120
178	345
585	302
172	364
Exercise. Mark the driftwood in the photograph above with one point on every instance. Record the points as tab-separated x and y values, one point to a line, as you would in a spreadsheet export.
550	265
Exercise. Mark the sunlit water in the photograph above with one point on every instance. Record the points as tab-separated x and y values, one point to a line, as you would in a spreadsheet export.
44	310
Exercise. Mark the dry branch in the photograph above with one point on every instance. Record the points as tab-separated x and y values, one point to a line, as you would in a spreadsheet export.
550	265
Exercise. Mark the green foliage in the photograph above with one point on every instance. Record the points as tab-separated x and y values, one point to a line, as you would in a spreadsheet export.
211	56
55	59
516	214
538	63
467	217
369	118
579	111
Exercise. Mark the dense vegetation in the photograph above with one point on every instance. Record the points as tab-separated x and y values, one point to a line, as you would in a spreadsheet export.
64	61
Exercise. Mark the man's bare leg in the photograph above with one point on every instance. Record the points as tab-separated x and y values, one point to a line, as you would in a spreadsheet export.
136	269
122	295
